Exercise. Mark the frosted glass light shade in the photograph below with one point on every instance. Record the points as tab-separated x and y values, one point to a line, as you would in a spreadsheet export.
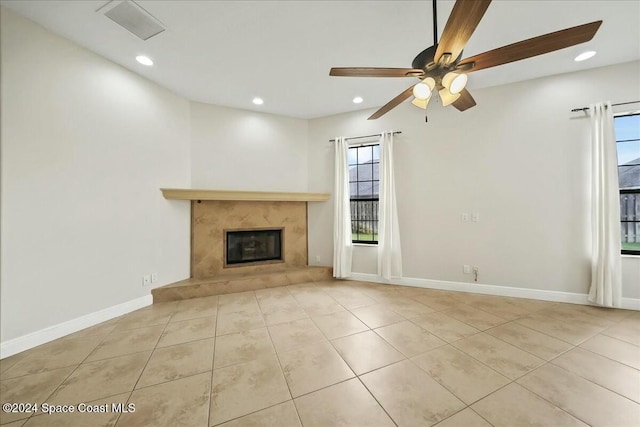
447	97
455	82
423	89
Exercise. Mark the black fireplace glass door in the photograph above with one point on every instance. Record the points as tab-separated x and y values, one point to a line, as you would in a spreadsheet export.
253	245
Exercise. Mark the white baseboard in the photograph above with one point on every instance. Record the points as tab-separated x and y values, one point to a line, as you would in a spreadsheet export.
477	288
631	303
25	342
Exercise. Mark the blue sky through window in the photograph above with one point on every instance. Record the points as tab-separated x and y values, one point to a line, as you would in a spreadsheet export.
627	128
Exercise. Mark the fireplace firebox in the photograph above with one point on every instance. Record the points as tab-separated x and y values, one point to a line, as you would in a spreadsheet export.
253	246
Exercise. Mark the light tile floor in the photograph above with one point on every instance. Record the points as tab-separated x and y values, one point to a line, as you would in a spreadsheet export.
339	353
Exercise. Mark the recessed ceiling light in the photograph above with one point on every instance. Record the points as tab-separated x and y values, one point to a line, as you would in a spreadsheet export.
357	100
144	60
585	55
258	101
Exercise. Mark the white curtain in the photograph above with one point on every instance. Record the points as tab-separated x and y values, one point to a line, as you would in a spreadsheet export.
342	245
606	280
389	254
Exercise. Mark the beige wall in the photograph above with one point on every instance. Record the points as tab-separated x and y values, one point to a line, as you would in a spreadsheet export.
212	218
520	159
245	150
86	144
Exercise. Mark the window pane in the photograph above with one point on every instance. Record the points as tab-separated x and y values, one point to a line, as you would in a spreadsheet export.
352	156
630	207
365	154
629	152
627	127
630	232
376	152
629	177
365	189
365	172
353	190
376	171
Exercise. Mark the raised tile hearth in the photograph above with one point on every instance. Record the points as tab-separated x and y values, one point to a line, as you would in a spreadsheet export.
217	268
234	282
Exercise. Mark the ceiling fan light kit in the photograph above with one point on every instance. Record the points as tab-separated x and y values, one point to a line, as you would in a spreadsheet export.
422	90
421	103
454	82
442	66
447	97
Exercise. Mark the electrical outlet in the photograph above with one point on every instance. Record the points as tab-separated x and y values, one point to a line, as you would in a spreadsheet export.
475	274
154	277
466	269
317	258
465	217
475	217
146	280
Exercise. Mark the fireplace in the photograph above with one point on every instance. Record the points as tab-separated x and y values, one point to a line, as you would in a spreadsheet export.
253	246
213	219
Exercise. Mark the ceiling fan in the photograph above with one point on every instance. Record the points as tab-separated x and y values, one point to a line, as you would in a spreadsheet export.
441	67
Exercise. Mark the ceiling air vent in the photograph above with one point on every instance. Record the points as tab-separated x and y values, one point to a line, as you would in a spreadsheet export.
133	18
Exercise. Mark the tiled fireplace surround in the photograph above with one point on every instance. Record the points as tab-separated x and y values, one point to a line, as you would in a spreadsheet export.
210	219
209	275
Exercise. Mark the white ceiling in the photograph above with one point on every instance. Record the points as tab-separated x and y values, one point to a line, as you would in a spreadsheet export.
227	52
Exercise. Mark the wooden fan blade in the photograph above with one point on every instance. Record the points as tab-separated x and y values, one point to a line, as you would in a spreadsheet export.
533	47
392	104
462	22
465	101
375	72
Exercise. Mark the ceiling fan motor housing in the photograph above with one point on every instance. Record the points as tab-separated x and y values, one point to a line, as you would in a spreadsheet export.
425	61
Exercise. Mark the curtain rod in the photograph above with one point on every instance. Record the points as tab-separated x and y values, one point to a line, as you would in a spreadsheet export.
366	136
575	110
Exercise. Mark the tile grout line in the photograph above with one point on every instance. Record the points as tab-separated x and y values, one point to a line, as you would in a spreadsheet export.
284	377
527	351
213	360
240	363
544	398
171	314
607	357
376	399
591	381
72	371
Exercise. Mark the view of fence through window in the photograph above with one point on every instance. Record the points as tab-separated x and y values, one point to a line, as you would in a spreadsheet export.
364	184
627	128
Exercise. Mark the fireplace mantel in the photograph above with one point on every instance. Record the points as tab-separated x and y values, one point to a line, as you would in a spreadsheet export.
243	196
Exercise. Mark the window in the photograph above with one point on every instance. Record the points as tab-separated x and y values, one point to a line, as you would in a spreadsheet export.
364	183
627	128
